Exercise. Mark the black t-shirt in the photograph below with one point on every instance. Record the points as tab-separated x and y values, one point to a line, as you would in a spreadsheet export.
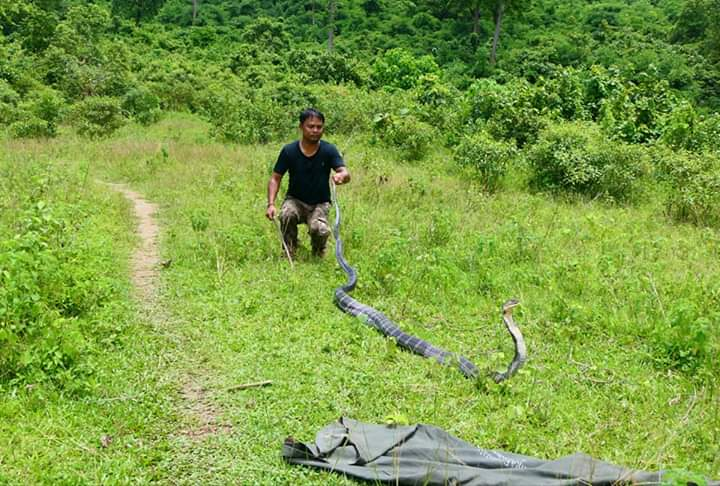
309	175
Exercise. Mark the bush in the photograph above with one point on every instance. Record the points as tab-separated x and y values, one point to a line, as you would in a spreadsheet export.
489	157
9	100
324	66
350	110
31	127
685	129
404	132
509	111
635	112
38	115
142	105
684	341
235	117
399	68
575	156
44	292
98	116
694	185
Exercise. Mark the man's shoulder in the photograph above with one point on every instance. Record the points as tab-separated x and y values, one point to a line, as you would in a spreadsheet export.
290	147
328	148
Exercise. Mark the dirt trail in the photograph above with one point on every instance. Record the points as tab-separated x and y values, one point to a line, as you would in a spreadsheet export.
196	406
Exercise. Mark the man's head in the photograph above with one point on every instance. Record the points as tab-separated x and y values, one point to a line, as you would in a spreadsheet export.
312	123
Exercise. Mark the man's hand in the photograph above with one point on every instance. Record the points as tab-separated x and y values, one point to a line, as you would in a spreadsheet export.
341	176
271	212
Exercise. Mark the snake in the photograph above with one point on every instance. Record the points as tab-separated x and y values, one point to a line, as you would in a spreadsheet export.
386	326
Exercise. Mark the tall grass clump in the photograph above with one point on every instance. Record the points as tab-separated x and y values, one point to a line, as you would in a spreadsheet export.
693	181
577	157
488	157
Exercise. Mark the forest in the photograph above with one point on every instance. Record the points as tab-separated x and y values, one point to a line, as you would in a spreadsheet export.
565	153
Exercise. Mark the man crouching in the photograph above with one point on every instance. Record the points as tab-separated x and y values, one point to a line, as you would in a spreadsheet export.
309	161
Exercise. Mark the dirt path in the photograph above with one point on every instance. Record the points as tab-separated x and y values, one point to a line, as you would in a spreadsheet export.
199	411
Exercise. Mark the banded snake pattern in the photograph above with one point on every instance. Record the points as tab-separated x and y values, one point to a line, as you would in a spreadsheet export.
382	323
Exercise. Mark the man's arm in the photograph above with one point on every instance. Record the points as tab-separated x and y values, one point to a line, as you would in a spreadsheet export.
273	188
341	175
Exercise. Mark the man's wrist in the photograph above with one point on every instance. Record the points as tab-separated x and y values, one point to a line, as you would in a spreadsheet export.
270	204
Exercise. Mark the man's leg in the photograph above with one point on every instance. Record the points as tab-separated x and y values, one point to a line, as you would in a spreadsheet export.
291	213
319	228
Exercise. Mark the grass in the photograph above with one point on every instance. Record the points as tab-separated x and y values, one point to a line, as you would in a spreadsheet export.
598	285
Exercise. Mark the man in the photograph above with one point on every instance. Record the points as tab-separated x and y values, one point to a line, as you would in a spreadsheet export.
307	201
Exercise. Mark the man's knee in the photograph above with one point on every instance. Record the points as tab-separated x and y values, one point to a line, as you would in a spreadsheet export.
319	228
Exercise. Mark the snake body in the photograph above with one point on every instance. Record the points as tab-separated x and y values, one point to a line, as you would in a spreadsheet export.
382	323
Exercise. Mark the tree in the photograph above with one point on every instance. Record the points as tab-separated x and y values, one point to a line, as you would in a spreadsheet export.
497	17
332	10
137	10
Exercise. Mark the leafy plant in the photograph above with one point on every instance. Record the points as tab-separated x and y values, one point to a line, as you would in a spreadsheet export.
404	132
98	116
488	157
577	157
683	341
142	105
694	185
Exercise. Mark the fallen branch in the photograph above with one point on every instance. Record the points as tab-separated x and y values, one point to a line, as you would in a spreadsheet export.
245	386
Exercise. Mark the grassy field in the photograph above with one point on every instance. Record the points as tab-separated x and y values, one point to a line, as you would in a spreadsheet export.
615	302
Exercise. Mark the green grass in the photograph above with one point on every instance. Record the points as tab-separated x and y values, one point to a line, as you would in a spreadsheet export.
599	285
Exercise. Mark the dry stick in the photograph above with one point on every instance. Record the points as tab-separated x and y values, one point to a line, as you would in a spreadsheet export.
284	245
657	295
250	385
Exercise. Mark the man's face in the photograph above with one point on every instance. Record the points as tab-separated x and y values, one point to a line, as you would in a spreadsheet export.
312	129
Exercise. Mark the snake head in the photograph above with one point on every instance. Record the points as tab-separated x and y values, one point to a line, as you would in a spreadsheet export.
509	305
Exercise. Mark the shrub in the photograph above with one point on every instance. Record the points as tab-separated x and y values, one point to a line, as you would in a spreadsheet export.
351	110
98	116
575	156
38	115
142	105
694	185
31	127
399	68
44	291
684	341
9	100
235	117
489	157
324	66
635	112
685	129
509	111
404	132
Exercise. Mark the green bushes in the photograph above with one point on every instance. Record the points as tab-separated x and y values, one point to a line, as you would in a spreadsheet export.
684	341
488	157
142	105
9	100
507	111
98	116
693	185
237	118
577	157
37	115
685	129
412	137
398	68
45	292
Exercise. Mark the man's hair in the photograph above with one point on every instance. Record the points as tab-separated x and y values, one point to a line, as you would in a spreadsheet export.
309	113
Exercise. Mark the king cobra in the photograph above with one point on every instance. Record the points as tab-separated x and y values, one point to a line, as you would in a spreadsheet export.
419	346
